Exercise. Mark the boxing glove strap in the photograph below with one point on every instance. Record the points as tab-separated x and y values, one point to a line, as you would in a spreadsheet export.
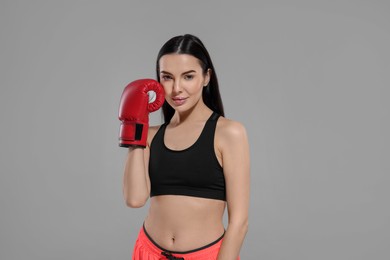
130	131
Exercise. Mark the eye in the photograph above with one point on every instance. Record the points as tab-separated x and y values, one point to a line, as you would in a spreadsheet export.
166	77
188	77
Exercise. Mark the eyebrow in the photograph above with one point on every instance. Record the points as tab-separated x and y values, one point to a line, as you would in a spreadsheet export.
186	72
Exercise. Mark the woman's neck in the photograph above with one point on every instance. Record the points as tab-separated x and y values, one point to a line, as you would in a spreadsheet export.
197	114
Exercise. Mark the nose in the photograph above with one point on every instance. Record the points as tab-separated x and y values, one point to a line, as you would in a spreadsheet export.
176	87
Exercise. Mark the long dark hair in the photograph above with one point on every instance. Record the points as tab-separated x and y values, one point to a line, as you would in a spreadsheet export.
192	45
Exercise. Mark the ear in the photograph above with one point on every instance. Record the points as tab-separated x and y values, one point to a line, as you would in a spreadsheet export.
207	77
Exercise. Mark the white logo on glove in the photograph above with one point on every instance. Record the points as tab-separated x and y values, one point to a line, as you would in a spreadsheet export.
152	96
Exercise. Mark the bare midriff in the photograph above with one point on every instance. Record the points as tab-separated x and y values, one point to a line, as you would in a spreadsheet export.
184	223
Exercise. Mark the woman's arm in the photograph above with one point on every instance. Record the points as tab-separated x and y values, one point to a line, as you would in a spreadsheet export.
136	182
234	148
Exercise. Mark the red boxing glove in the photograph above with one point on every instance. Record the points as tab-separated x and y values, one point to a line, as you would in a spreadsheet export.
139	98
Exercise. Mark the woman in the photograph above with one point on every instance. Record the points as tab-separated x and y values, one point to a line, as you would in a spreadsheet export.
192	167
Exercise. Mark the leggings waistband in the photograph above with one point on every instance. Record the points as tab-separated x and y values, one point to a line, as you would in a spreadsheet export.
181	252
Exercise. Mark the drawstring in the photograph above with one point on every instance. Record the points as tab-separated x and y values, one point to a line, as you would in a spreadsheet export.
169	256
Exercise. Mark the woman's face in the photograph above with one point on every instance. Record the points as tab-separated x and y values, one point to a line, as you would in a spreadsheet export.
183	79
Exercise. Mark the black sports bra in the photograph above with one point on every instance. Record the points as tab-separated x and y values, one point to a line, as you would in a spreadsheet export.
194	171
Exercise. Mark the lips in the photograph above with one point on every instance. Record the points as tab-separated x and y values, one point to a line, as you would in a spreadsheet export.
179	100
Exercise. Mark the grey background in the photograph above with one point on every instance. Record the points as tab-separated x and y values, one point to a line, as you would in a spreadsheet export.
309	80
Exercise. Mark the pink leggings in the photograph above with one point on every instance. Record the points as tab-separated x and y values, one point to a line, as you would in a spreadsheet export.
146	249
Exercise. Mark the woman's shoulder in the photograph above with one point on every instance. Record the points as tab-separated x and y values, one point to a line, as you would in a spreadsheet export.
152	131
230	130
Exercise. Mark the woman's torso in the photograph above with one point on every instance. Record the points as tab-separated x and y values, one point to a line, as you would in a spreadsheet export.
179	222
183	223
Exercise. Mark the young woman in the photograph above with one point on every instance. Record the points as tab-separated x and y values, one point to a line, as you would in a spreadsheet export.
192	167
